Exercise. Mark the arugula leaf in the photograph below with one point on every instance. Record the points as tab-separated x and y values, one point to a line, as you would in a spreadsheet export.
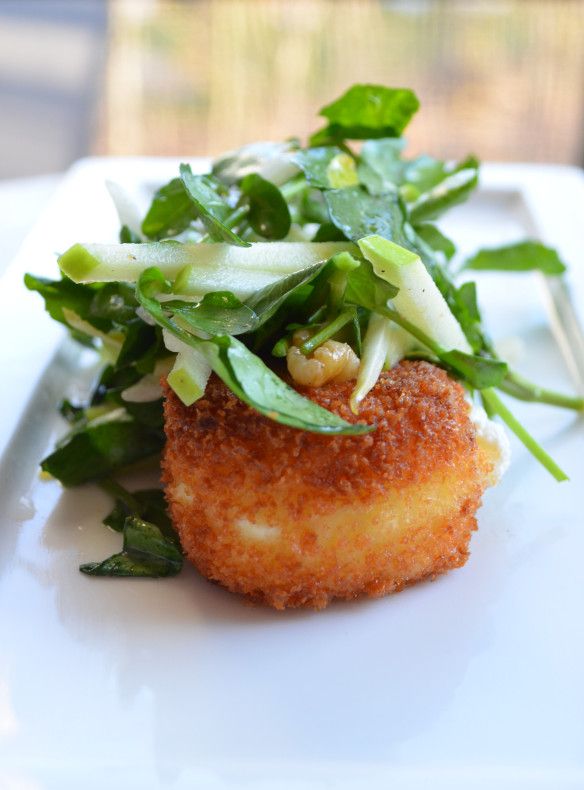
367	112
146	553
521	257
98	451
268	215
244	373
435	239
170	212
357	214
210	206
453	189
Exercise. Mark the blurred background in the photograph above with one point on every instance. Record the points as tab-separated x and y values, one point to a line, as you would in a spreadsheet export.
502	78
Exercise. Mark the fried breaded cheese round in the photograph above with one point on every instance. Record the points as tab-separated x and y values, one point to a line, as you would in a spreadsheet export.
292	518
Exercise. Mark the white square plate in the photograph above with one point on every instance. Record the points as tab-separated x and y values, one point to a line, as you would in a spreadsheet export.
471	682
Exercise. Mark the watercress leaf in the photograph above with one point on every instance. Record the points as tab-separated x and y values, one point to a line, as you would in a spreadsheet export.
453	189
268	300
170	212
113	302
381	168
366	289
328	232
219	313
209	205
467	294
425	172
367	112
149	413
100	450
254	383
435	239
327	167
148	504
145	540
357	213
147	552
59	294
479	372
521	257
140	347
268	215
313	207
124	565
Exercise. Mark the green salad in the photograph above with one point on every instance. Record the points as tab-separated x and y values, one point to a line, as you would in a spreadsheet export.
336	239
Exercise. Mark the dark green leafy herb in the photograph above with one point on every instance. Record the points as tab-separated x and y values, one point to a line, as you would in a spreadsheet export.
315	163
381	168
365	288
170	212
356	213
148	504
453	189
268	215
100	450
435	239
479	372
266	302
219	313
146	553
61	294
210	206
329	232
367	112
521	257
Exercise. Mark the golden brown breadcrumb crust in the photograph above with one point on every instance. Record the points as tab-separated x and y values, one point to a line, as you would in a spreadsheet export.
293	518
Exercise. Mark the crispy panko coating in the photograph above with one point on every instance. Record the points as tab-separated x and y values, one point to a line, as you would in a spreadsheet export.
291	518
